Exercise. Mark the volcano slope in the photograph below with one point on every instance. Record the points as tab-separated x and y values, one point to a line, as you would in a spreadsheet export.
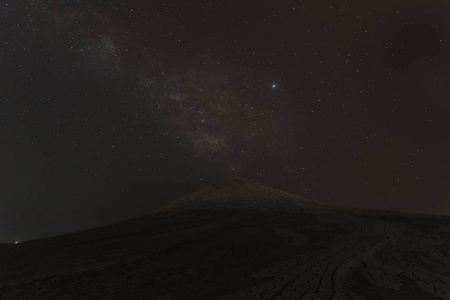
236	239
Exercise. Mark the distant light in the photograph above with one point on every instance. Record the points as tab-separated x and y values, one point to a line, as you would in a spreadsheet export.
16	242
274	85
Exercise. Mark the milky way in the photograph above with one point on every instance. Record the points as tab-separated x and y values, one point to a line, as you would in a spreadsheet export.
112	108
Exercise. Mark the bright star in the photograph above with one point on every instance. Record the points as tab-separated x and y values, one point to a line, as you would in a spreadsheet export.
274	86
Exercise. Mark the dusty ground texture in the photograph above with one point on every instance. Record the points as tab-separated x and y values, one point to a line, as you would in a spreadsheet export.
311	253
236	239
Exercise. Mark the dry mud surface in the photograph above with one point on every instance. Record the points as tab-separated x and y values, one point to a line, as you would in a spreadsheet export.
309	253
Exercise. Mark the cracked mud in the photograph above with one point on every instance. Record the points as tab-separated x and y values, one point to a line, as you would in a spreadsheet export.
310	253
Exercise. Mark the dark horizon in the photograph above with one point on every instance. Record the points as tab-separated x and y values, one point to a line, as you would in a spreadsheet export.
109	110
355	209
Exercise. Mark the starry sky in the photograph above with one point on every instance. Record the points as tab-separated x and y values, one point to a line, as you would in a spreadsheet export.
109	109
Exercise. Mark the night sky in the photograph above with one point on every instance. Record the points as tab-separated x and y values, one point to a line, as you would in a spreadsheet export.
109	109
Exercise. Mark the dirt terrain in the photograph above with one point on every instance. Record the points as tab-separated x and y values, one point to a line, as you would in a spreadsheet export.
310	251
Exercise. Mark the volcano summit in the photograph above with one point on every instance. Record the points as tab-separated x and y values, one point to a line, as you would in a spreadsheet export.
240	193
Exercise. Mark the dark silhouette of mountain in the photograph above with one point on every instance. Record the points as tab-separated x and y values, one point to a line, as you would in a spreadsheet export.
237	239
240	193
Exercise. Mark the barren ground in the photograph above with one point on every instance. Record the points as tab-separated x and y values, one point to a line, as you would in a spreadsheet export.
309	253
